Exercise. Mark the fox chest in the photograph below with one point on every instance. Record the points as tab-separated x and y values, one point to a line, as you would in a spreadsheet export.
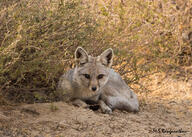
86	95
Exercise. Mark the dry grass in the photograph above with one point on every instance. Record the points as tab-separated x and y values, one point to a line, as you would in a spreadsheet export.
38	38
37	43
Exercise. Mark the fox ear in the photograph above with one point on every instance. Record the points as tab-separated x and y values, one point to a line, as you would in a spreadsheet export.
81	56
106	57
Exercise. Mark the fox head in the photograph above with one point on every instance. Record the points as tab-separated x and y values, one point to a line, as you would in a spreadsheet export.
92	73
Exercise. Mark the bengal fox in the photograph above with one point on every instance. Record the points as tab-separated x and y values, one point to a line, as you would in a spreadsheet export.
93	80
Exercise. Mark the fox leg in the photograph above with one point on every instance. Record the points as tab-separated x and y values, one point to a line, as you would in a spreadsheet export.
104	107
123	103
131	105
79	103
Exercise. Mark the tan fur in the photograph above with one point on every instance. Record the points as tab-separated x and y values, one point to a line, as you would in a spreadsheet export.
93	79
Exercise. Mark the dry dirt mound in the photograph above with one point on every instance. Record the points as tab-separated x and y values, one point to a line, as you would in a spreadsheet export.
162	113
41	121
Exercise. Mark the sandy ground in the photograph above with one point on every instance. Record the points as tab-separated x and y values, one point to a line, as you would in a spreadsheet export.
163	112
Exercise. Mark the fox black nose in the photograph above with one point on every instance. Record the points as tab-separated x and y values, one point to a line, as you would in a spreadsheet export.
94	88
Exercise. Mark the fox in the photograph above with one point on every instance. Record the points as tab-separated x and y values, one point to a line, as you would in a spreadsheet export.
94	80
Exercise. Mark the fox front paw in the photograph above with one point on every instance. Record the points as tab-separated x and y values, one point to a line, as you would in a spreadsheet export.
106	110
80	103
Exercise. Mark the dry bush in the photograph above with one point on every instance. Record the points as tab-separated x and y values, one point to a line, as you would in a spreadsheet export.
37	44
148	36
38	39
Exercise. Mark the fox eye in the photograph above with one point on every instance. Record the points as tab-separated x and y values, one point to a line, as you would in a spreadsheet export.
100	76
87	76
